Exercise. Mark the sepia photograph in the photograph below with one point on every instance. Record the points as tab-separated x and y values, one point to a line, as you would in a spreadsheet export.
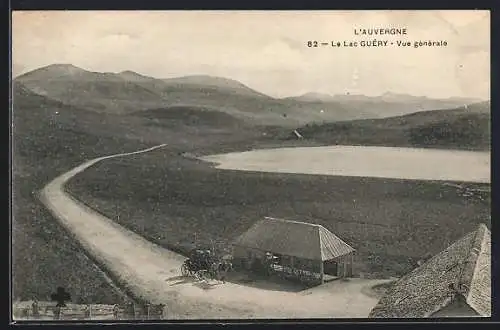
238	165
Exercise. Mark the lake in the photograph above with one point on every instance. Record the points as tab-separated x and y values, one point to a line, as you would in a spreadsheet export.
363	161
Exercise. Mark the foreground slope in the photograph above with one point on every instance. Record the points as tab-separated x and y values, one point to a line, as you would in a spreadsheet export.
44	256
147	270
181	202
49	138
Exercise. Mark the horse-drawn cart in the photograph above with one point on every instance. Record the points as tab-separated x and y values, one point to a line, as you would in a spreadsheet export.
199	262
202	263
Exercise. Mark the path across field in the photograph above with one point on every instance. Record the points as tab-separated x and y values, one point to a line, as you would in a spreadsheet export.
153	273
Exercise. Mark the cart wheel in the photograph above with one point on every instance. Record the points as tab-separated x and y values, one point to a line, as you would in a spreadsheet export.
196	275
184	270
201	275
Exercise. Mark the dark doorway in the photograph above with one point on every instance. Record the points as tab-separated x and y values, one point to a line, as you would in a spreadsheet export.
330	267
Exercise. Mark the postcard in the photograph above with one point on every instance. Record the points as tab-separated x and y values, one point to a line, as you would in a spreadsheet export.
229	165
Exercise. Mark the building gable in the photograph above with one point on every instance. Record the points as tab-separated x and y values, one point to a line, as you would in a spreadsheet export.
463	269
293	238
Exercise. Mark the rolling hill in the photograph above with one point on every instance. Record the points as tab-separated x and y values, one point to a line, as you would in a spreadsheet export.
312	97
201	118
230	85
38	119
462	128
101	92
128	92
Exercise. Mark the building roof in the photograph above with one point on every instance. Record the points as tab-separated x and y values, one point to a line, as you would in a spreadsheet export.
294	238
463	269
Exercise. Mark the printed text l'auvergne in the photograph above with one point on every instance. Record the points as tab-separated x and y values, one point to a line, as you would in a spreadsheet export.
380	31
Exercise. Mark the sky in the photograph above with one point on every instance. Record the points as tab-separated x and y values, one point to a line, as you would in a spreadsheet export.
267	50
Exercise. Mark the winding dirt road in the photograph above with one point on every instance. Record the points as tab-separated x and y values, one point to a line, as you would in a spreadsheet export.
153	273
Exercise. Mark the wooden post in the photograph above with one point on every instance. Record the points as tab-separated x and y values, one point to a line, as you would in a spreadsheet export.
130	310
344	266
35	310
321	271
25	312
86	312
57	313
158	311
115	312
351	262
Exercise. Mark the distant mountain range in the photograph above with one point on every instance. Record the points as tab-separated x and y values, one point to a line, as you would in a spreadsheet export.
388	104
128	92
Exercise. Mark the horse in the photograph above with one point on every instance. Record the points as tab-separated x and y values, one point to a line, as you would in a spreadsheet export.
220	269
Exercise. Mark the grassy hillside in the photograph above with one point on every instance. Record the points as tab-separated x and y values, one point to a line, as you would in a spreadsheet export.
168	199
456	129
100	92
127	92
44	256
230	85
191	116
50	138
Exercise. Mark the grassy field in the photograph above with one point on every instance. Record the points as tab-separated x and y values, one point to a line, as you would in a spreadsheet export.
180	203
43	255
173	199
50	138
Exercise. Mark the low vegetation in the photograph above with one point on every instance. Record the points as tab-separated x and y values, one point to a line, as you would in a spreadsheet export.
44	256
447	129
181	203
50	138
